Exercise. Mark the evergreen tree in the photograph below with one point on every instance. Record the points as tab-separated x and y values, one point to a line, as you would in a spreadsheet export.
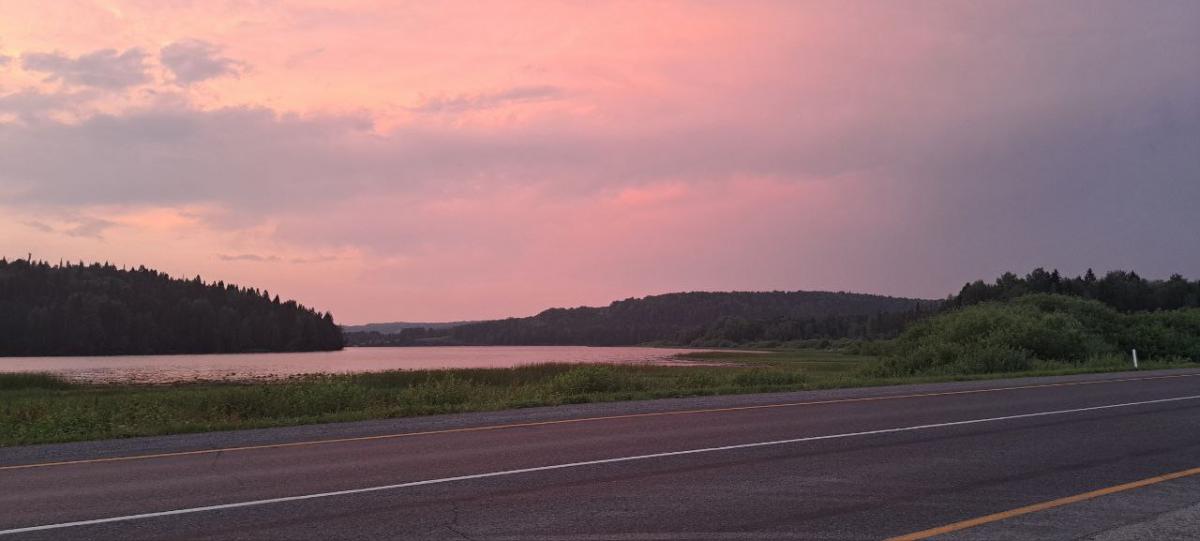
99	309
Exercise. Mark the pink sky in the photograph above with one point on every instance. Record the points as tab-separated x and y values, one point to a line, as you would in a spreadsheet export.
468	160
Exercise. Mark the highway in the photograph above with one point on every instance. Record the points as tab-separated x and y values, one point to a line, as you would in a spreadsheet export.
962	460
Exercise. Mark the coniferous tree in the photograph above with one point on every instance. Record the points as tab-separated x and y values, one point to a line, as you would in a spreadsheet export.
102	310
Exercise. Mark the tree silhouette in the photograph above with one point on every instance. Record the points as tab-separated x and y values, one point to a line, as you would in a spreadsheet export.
102	310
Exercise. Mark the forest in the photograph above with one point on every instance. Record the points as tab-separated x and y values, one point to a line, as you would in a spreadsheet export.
1121	290
98	309
695	319
1039	330
775	319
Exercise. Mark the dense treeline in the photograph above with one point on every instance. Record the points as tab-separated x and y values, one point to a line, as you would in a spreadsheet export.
781	318
696	318
1019	323
399	326
1037	329
1125	291
102	310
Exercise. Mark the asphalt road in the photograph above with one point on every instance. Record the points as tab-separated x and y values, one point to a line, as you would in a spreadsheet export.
857	464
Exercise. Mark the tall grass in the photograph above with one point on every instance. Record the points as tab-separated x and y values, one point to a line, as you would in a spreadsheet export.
39	408
32	380
38	411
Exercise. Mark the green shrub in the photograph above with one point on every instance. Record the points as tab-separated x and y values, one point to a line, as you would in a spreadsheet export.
1012	336
443	391
991	359
761	377
1164	334
32	380
586	379
699	380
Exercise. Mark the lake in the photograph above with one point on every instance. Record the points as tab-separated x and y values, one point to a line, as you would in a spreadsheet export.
250	366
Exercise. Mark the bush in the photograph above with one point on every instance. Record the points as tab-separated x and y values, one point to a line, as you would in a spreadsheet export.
1164	334
992	359
1011	336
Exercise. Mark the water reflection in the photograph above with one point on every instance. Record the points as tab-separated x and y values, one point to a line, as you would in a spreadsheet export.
176	368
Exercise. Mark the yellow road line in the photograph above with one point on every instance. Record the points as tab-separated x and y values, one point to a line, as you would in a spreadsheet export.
925	534
580	420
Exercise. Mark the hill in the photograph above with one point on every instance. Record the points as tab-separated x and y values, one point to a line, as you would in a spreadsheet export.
102	310
694	318
394	327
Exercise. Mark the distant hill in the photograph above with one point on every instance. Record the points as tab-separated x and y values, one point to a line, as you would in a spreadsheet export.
773	318
397	326
695	318
102	310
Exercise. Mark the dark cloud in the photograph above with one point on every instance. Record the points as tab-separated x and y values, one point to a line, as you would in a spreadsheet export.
77	227
1066	138
253	160
89	227
248	257
463	102
40	226
191	61
242	159
302	57
315	259
105	69
30	104
5	60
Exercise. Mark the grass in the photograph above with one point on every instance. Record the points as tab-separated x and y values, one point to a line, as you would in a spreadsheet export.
29	380
41	408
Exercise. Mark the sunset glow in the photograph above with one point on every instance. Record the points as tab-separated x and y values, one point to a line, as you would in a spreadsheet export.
432	161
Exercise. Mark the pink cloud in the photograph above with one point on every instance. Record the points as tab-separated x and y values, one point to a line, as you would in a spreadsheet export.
506	157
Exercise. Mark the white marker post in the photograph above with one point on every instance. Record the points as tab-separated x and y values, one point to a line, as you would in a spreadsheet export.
1135	359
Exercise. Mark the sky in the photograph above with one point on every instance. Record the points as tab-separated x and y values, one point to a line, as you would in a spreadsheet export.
432	161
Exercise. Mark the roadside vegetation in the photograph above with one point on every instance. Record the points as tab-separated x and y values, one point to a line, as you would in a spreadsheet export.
1042	324
1028	332
39	408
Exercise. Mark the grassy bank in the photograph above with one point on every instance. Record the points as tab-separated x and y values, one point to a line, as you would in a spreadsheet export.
41	409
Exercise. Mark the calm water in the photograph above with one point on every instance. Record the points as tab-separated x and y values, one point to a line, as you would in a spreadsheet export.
172	368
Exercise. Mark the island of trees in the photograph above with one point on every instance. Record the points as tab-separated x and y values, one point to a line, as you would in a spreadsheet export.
96	309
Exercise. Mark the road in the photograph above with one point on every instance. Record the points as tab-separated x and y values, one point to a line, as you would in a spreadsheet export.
846	464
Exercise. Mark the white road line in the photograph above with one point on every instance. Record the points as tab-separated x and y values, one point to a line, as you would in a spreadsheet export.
577	465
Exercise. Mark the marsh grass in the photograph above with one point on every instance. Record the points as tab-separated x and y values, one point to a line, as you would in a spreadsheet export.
32	380
40	408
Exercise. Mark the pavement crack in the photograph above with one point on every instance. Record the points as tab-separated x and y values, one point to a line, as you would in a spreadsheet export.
453	524
216	457
237	478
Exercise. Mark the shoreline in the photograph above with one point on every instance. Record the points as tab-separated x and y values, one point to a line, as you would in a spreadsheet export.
167	369
37	409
